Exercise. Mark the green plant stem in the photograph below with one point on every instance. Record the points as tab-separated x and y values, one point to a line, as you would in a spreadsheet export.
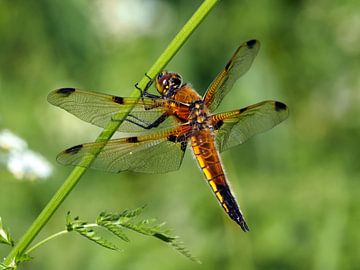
109	130
45	240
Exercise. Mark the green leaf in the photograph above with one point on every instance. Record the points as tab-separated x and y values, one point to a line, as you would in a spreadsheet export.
16	261
85	230
93	236
114	229
4	267
23	258
5	237
119	217
126	219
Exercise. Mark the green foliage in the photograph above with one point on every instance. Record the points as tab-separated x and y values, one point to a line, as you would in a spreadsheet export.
5	237
115	222
19	258
86	230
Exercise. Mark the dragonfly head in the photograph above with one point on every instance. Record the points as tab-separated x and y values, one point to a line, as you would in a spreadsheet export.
167	83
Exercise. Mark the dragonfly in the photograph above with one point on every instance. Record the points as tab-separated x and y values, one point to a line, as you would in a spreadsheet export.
162	126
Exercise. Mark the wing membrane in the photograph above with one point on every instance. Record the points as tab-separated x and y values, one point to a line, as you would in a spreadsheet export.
236	127
159	152
98	109
237	66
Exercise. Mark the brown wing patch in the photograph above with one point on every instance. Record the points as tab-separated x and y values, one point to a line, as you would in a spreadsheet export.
119	100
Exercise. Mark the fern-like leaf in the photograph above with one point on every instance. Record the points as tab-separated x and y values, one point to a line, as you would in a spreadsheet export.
114	229
114	223
84	230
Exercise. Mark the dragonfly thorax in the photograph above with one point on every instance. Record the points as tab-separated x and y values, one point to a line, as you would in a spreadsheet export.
199	116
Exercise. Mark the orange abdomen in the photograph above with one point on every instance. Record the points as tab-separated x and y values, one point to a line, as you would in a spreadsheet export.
207	156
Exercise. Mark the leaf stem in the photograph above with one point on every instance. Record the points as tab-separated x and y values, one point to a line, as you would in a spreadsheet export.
109	130
46	240
92	225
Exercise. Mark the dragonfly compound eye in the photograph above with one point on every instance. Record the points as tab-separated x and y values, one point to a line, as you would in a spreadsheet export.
176	81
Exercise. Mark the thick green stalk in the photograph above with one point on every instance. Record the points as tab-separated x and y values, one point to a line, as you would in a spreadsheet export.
109	130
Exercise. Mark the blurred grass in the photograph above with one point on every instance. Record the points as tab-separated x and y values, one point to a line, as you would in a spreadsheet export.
297	184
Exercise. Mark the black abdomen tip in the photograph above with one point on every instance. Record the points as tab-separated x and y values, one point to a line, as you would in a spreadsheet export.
244	226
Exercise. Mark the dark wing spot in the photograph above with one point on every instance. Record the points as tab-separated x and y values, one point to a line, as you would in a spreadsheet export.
228	65
251	43
183	146
218	124
279	106
65	91
172	138
73	150
132	140
118	100
243	110
178	139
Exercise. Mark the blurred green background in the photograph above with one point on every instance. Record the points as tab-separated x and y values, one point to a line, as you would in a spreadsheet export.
298	184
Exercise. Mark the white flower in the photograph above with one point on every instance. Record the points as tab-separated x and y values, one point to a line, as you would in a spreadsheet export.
19	160
125	19
9	141
28	165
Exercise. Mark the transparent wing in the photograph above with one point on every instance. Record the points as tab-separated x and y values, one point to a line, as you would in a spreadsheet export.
237	66
99	109
235	127
159	152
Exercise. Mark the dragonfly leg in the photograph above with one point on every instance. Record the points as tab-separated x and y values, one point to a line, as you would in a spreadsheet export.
150	80
145	93
146	125
149	83
147	86
138	88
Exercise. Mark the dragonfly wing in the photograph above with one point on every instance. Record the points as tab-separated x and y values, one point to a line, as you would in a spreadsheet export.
235	127
159	152
237	66
98	109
